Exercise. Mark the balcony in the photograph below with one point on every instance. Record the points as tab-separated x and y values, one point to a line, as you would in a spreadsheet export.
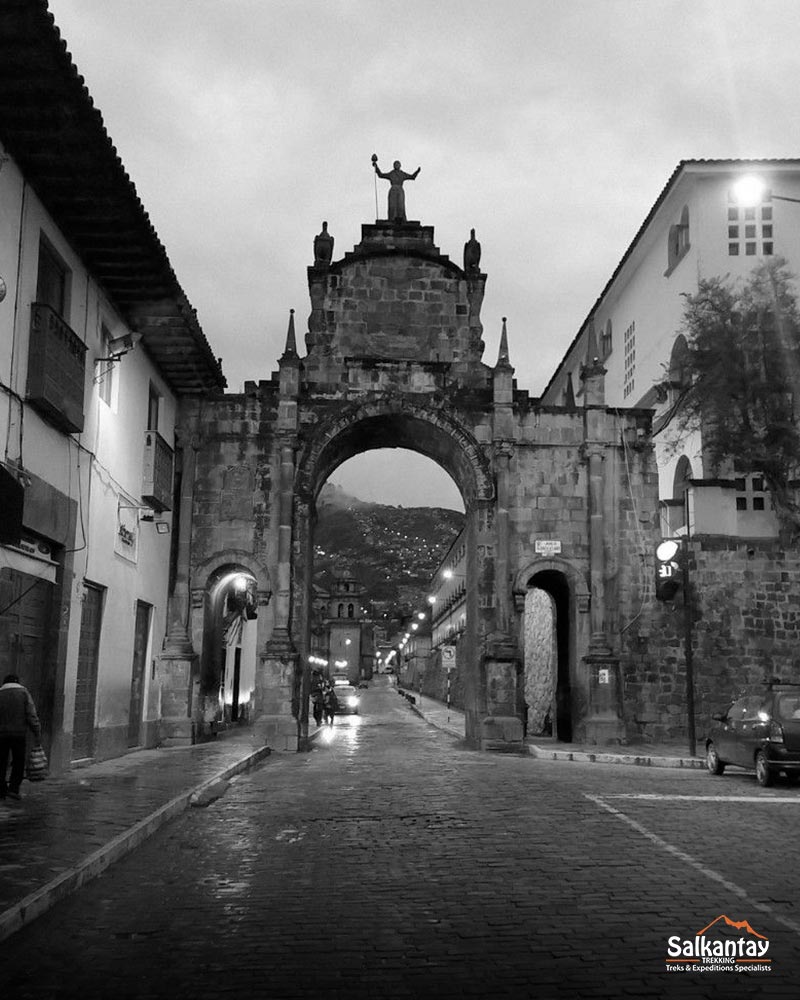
56	370
157	472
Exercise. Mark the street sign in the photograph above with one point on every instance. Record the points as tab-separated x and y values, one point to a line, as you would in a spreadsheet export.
547	546
449	657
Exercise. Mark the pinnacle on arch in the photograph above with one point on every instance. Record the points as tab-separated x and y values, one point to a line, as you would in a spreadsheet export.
592	354
290	350
569	393
503	360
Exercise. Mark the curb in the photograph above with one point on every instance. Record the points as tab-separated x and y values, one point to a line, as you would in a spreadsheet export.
638	760
39	901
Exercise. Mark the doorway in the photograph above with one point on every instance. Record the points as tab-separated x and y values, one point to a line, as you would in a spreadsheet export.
86	681
546	645
141	636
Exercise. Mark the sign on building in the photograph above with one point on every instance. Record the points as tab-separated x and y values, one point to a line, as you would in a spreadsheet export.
547	546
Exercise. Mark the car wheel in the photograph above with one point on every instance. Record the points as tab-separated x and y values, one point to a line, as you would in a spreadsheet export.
764	776
713	763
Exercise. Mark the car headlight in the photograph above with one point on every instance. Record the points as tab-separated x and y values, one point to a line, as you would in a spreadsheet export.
352	701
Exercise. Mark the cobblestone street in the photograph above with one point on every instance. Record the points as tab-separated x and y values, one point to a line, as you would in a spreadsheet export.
391	862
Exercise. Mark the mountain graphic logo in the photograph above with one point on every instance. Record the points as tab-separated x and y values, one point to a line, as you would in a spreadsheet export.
737	925
733	946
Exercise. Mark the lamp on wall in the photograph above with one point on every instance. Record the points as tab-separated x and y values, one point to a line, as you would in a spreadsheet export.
750	191
121	345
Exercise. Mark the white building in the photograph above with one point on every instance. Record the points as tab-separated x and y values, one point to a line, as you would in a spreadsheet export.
699	227
97	345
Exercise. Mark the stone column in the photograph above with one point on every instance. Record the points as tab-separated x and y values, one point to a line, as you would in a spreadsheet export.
178	658
603	722
276	694
500	725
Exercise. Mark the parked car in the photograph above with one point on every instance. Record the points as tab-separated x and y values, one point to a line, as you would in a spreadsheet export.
759	732
348	698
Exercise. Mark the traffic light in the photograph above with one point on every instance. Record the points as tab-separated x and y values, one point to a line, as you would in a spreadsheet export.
669	568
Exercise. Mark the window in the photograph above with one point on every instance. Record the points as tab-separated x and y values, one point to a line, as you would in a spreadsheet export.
105	368
52	282
751	492
629	347
678	371
751	224
152	408
678	240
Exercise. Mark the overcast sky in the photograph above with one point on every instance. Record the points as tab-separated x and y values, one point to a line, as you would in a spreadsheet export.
550	126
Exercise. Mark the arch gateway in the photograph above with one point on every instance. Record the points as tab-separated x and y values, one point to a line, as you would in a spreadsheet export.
560	499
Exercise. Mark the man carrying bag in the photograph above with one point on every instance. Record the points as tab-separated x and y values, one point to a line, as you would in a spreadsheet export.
17	715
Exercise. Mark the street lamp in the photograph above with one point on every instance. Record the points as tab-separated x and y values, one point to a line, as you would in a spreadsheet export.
750	191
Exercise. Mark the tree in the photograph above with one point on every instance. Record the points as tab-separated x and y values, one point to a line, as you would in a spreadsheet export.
740	379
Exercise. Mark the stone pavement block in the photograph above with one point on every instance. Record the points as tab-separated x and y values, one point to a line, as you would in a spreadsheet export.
68	829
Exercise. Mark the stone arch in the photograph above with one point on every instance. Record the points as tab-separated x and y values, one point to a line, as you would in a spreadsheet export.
411	423
551	597
390	421
229	624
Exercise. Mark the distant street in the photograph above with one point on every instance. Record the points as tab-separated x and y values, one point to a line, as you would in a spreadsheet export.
391	862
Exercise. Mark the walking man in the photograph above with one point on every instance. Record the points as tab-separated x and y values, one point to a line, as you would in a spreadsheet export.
17	716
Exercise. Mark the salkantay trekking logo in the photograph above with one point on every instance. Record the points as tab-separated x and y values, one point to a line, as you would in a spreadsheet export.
724	952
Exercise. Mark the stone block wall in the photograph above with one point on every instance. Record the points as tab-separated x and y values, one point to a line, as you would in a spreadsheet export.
745	597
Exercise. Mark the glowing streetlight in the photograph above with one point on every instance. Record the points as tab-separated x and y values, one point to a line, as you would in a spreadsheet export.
750	191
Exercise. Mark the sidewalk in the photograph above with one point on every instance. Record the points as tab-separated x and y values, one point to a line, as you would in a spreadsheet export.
644	755
69	828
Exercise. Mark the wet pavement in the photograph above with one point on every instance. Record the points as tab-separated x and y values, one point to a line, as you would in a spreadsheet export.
394	863
68	829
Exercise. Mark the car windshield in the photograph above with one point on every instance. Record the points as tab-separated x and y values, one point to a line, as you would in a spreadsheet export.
787	706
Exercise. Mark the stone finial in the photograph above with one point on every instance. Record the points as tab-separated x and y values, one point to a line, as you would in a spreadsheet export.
592	353
472	254
569	393
593	372
290	350
503	359
323	246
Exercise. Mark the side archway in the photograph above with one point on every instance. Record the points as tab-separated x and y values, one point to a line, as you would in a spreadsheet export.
551	598
229	625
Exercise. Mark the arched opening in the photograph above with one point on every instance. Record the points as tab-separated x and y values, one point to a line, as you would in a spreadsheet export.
678	369
228	658
680	483
403	639
546	656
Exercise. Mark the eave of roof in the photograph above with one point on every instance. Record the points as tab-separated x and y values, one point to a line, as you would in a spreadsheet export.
50	126
683	166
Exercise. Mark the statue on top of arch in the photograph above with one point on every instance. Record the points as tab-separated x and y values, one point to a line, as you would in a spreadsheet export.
396	177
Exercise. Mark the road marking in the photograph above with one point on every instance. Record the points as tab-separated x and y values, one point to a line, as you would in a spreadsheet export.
655	797
698	866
